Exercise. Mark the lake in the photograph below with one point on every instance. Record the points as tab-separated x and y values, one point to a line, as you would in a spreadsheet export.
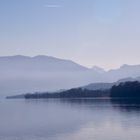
69	119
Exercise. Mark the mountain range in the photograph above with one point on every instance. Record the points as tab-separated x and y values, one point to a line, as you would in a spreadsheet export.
20	74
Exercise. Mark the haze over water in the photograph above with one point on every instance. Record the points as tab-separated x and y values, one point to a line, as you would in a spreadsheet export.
66	119
52	45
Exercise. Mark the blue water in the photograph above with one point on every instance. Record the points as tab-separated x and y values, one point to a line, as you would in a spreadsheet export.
69	119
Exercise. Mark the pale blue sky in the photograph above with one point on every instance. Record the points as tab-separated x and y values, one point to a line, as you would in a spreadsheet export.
91	32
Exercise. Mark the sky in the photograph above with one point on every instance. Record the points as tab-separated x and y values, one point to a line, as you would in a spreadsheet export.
105	33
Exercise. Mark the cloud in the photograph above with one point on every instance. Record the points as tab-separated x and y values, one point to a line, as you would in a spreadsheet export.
53	6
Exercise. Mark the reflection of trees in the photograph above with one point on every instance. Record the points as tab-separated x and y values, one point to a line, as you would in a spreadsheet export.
126	96
85	100
126	104
95	111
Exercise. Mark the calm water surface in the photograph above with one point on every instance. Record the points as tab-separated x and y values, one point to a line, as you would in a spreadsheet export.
69	119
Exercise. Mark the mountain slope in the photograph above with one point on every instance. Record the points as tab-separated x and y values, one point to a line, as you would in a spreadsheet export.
38	63
123	72
21	74
105	86
41	73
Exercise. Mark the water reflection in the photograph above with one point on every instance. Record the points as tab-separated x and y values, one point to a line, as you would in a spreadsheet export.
126	105
77	119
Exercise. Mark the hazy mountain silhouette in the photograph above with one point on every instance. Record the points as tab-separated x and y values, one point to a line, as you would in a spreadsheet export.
38	63
21	74
105	86
41	73
124	71
98	69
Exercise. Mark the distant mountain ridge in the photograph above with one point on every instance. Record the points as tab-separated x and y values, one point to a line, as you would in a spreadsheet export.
47	60
21	74
98	69
39	62
125	71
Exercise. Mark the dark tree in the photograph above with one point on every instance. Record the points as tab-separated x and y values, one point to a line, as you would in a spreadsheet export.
126	90
71	93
